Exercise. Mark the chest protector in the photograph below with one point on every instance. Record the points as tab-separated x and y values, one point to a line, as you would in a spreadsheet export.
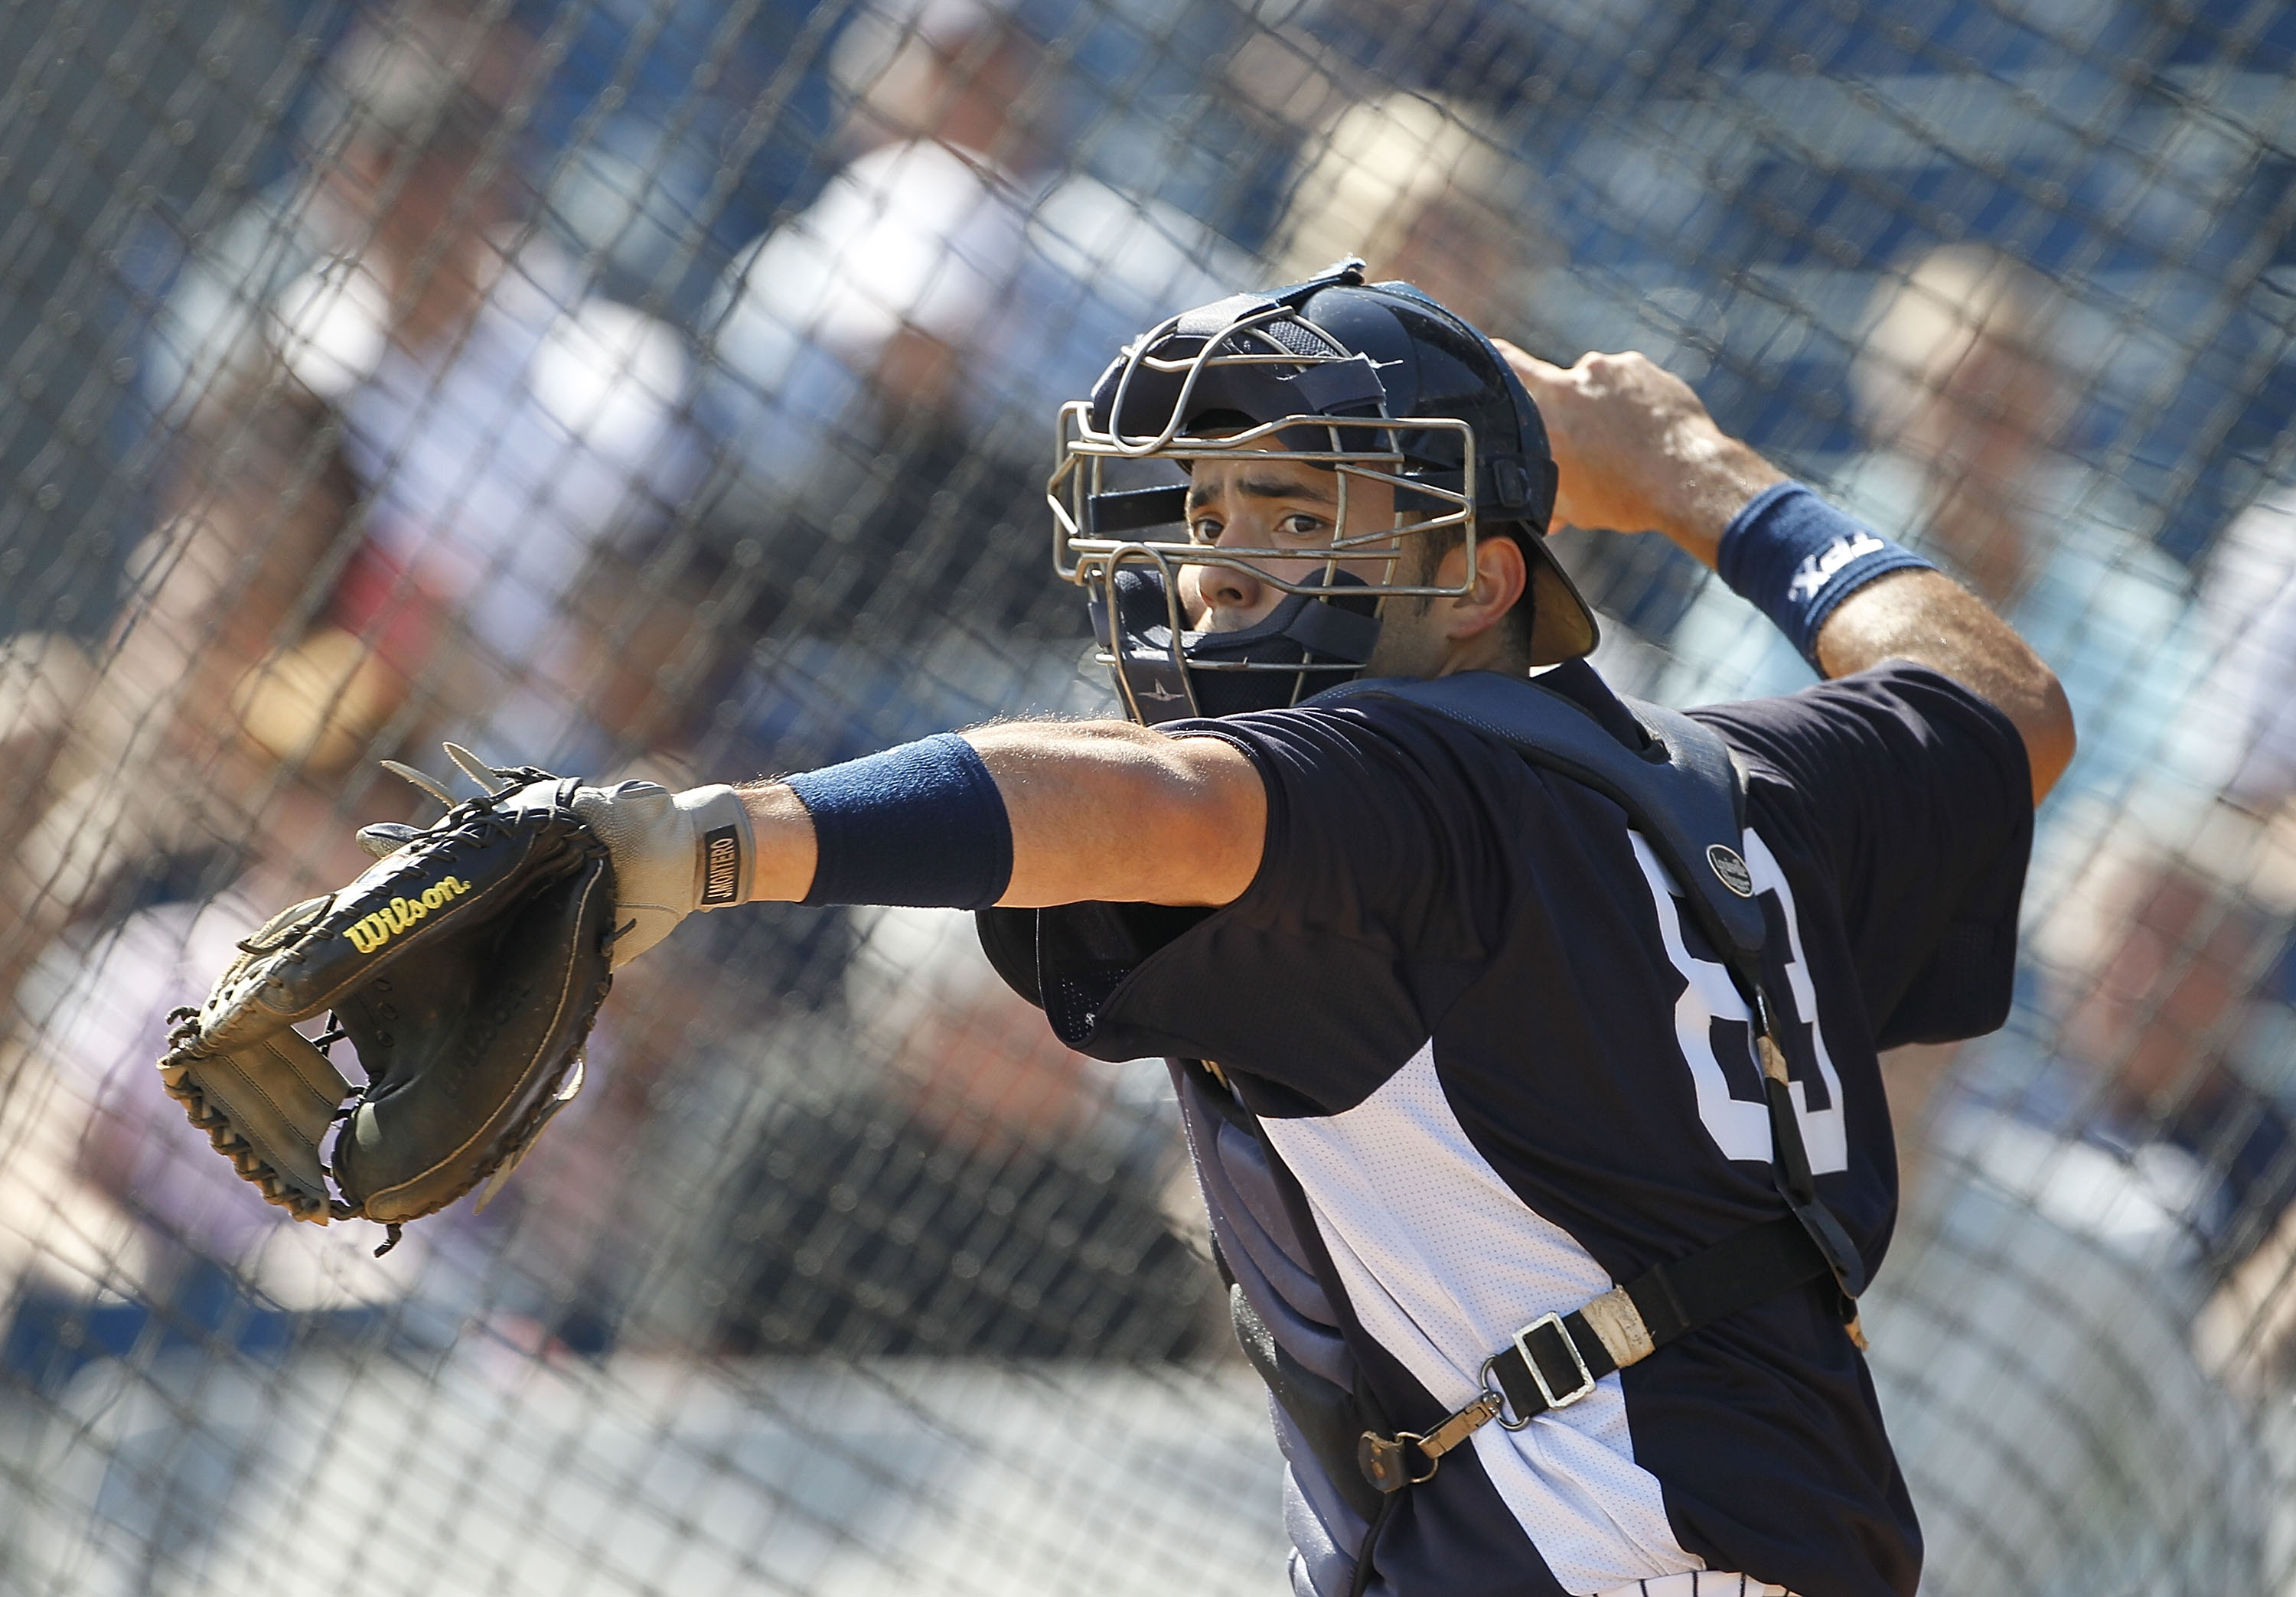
1683	792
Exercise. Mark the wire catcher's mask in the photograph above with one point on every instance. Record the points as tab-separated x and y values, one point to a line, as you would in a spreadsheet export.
1378	385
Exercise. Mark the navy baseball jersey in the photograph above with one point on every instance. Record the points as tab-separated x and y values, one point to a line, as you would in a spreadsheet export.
1501	1070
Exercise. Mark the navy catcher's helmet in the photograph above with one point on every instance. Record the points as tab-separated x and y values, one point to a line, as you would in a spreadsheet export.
1377	381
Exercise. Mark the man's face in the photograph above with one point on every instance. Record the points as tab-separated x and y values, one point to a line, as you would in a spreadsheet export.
1263	499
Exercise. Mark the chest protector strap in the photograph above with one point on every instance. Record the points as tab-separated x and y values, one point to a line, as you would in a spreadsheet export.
1684	794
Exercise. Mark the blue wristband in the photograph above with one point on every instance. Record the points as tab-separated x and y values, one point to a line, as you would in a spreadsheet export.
921	824
1795	557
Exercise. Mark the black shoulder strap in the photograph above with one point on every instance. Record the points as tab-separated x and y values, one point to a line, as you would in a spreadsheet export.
1683	793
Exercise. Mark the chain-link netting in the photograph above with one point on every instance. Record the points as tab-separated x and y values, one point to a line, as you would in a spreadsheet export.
668	387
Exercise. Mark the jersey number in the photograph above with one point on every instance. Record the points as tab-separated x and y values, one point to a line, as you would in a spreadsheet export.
1741	1125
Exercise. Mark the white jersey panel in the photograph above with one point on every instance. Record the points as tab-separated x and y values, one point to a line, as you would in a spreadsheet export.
1826	1135
1741	1126
1443	1263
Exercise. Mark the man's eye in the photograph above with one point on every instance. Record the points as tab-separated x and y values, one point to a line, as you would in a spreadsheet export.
1302	526
1204	529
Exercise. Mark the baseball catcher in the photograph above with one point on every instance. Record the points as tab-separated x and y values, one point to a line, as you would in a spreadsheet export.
1526	1038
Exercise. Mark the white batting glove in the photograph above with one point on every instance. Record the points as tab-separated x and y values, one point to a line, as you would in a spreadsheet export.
673	854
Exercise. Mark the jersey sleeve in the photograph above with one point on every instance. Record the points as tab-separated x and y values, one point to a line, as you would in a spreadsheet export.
1376	902
1914	793
1366	839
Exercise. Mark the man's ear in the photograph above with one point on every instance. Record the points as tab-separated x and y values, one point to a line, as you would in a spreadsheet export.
1502	577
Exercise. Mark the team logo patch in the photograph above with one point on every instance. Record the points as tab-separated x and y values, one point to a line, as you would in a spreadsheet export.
721	866
1729	870
373	930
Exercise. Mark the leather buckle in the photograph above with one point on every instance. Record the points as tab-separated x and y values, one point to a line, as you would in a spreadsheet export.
1386	1460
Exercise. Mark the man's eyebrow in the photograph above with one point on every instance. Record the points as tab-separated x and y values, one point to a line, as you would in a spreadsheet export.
1269	486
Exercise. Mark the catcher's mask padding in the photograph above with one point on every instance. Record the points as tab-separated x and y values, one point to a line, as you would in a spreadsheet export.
1332	637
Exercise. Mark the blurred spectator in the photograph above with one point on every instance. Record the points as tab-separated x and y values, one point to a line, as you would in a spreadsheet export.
976	1188
167	801
1418	187
202	746
887	366
2183	929
2172	942
172	1257
411	459
407	458
513	438
135	774
97	1010
1965	405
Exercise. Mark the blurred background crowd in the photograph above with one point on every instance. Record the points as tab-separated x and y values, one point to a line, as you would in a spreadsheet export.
655	386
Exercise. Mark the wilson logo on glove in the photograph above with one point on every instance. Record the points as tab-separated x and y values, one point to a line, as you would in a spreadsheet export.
378	926
472	959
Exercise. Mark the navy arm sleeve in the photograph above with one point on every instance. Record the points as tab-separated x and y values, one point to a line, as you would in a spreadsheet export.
1916	793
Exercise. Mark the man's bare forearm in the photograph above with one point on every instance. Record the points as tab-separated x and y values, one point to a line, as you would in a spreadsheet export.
1110	811
1638	453
1928	619
1921	615
1100	810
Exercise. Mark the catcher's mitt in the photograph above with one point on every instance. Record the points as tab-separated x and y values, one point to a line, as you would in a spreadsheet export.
465	968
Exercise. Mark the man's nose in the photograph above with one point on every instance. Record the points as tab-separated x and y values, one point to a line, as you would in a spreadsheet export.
1228	587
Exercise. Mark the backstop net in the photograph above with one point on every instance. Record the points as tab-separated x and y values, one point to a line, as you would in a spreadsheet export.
667	388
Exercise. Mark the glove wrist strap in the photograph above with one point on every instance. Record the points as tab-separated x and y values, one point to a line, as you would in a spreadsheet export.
724	850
